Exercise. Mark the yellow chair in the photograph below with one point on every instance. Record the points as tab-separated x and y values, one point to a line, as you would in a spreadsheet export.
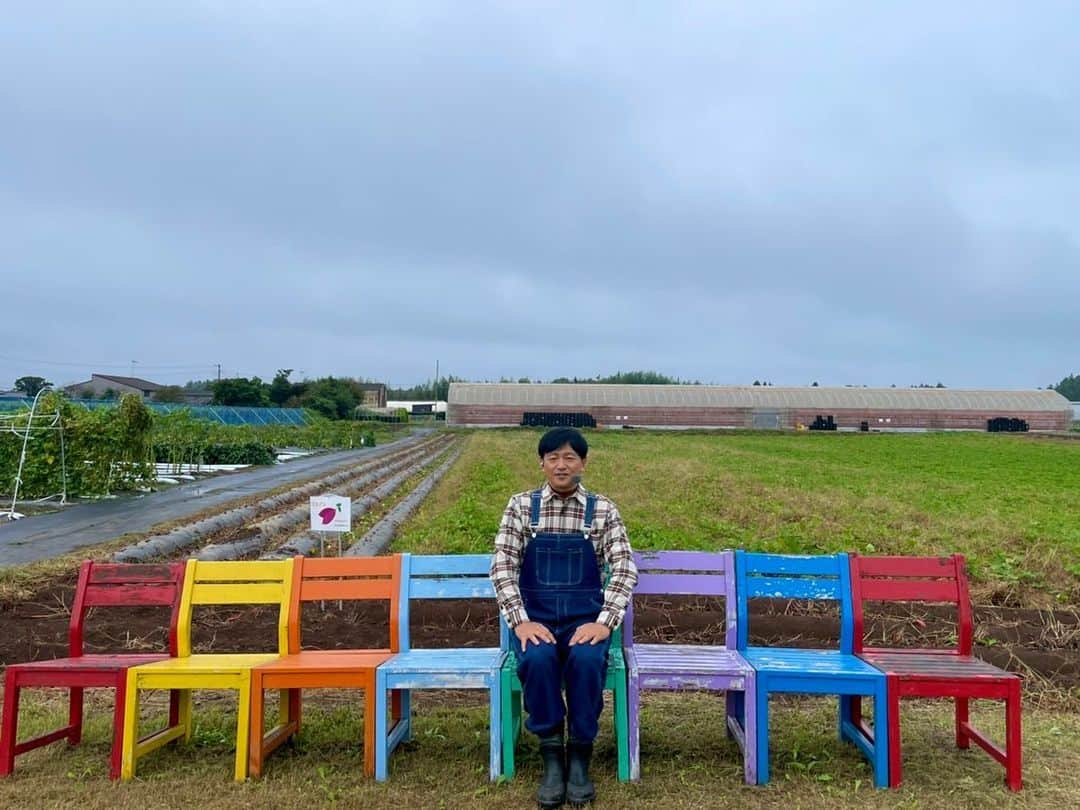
210	583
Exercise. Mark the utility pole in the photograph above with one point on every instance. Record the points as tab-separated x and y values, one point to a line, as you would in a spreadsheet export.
219	372
436	391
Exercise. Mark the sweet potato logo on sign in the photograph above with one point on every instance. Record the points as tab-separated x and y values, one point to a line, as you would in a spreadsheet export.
331	513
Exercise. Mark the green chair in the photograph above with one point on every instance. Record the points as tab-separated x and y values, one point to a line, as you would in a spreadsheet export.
511	708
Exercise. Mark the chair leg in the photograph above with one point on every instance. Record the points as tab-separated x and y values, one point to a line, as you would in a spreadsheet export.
9	727
621	742
633	729
369	730
962	739
750	730
406	714
855	709
243	731
119	708
844	717
174	708
255	728
511	713
293	710
288	712
893	722
397	696
495	729
619	726
881	741
75	715
515	707
762	706
131	726
382	752
735	705
1013	739
184	706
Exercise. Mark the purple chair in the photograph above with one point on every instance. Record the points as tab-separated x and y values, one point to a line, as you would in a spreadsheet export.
692	666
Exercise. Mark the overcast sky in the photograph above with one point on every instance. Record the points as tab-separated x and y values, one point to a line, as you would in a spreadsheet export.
840	192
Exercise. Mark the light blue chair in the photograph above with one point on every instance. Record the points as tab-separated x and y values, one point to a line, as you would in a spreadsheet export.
815	671
443	576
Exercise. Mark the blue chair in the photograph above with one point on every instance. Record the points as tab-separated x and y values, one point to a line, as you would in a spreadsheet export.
449	576
815	671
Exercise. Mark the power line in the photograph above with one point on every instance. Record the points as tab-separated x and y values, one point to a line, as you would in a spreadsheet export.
141	364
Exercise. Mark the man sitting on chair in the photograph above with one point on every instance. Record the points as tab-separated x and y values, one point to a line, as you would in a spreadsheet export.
546	570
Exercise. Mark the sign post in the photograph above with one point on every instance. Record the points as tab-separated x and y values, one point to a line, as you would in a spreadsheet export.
330	513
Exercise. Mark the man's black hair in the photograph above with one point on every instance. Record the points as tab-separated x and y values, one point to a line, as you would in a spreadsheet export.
557	437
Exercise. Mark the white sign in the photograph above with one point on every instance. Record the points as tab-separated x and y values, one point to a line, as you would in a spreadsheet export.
331	513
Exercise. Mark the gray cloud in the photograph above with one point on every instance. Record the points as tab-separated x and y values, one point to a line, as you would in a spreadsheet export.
836	192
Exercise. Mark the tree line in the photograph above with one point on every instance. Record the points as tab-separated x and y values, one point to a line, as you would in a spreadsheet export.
338	397
333	397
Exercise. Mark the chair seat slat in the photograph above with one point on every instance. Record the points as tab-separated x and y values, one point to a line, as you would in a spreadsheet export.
930	664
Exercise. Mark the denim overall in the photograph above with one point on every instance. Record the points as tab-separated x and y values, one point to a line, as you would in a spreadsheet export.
561	588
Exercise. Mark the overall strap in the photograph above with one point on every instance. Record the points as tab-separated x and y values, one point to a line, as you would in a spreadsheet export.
534	512
590	512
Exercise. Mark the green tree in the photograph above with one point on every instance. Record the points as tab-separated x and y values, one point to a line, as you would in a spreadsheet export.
241	391
432	389
639	378
332	397
1069	387
628	378
281	390
169	393
31	385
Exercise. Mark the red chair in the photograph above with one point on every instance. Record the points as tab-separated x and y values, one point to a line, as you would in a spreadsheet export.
929	673
100	585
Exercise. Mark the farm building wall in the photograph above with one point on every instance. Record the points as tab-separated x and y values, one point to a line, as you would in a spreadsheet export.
744	417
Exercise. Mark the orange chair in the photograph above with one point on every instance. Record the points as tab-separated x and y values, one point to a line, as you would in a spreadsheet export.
326	579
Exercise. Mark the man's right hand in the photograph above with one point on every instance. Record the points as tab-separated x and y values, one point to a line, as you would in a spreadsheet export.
534	632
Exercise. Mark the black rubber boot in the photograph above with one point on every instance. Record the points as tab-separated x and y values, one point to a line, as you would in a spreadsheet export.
579	787
552	791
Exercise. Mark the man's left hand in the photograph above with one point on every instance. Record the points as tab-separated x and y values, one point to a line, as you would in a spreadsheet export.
590	633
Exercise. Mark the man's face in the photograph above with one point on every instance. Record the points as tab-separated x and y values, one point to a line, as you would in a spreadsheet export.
560	466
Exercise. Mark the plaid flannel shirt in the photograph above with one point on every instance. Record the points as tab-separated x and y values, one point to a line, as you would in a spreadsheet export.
558	514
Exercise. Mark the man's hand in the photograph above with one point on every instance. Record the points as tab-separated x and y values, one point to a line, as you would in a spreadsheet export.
590	633
534	632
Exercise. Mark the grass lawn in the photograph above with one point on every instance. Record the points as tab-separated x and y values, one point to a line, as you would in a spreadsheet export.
1010	503
687	761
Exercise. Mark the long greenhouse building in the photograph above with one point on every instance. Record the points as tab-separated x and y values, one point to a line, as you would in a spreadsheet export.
755	407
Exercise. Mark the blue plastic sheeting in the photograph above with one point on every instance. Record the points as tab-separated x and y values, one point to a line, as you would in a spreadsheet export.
225	414
230	415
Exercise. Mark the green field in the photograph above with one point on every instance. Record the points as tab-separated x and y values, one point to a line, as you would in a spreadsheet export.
1010	503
